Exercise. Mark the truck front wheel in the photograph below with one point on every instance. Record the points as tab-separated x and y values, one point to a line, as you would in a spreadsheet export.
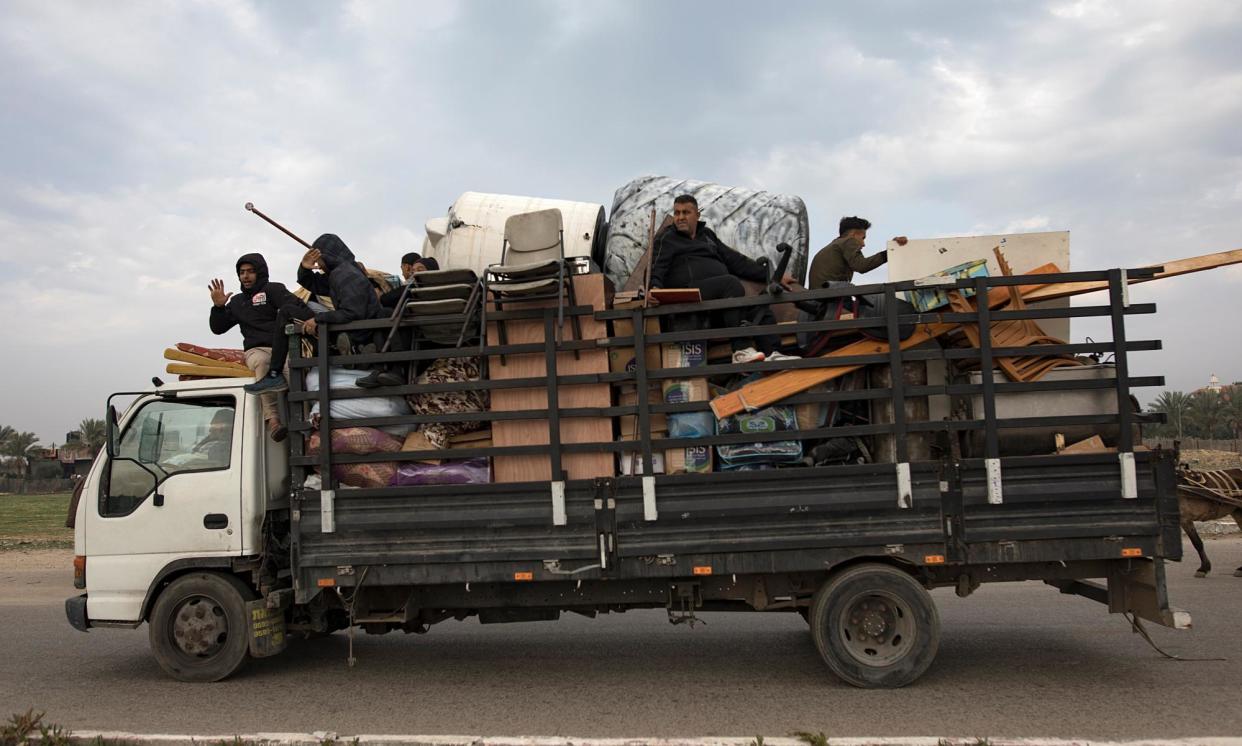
875	626
198	627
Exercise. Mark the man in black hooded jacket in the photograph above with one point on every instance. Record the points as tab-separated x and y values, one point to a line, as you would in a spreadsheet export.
261	310
353	297
688	254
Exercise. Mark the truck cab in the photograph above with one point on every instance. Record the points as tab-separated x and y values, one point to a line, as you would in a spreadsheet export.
182	487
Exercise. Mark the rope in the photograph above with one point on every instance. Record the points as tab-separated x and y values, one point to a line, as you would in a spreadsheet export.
349	607
1137	626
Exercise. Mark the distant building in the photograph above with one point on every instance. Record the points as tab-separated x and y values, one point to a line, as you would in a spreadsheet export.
1216	387
74	457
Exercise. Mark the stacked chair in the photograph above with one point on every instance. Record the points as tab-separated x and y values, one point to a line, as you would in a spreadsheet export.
441	293
532	267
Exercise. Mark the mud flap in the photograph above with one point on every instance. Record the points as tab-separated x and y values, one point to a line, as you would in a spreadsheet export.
1139	587
266	629
1135	587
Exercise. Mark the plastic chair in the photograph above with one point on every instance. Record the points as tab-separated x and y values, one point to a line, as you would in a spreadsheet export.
444	292
532	267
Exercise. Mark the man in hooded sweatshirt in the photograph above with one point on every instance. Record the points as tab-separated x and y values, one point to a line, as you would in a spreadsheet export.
261	310
353	299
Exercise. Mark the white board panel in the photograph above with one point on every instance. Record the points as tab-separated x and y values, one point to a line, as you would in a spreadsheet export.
921	257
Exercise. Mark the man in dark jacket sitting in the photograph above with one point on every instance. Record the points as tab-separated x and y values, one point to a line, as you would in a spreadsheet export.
353	299
688	254
261	310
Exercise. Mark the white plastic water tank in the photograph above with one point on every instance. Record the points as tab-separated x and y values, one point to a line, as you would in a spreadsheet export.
473	234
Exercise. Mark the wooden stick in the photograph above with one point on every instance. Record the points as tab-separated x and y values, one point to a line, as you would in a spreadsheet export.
1171	269
250	206
650	257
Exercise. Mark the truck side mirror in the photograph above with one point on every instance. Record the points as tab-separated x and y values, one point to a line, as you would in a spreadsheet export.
110	443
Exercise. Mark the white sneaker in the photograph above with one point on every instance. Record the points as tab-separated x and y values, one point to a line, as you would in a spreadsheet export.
747	355
781	356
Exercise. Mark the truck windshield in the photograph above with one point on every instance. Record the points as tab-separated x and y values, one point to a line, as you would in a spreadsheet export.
164	438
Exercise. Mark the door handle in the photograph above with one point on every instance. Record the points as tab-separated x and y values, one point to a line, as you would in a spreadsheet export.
215	520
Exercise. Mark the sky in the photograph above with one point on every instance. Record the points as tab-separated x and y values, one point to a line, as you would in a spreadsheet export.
132	133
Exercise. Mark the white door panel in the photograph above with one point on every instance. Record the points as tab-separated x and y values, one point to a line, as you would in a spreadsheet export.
192	449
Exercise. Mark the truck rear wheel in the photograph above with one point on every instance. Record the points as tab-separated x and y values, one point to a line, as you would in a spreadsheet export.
875	626
198	628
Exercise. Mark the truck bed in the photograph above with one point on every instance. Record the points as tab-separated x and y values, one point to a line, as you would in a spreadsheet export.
1060	516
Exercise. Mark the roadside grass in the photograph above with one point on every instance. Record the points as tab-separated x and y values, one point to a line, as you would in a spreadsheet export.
34	522
28	729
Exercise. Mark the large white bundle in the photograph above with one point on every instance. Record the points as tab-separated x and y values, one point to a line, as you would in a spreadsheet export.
751	221
366	406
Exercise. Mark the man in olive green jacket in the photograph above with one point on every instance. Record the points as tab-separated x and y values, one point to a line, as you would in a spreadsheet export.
839	260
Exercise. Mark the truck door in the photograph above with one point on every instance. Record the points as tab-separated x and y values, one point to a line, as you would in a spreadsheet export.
173	492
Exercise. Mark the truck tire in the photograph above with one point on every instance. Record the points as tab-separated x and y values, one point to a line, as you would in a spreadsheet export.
875	626
198	627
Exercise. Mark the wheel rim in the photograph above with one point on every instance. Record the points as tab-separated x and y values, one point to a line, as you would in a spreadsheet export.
877	628
200	627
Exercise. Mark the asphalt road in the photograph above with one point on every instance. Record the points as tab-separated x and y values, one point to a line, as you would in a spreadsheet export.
1016	660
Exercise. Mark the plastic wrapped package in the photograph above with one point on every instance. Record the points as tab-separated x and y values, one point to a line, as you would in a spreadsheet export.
772	419
451	471
360	440
691	425
367	406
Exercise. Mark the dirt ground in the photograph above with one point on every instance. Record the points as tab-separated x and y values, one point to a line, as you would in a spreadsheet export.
1202	460
35	559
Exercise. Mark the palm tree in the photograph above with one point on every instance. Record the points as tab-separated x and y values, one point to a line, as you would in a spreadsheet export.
1174	405
6	432
1231	403
1204	413
19	446
93	434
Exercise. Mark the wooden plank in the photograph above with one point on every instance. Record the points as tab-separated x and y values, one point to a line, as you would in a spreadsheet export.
590	292
1171	269
206	371
182	356
789	382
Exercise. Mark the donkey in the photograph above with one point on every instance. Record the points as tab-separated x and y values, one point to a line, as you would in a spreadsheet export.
1208	496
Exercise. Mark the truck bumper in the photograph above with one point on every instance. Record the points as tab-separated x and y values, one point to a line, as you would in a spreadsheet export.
75	609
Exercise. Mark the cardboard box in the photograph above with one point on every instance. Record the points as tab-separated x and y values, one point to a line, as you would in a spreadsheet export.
684	354
632	463
623	359
682	390
808	414
416	441
474	439
692	460
628	396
